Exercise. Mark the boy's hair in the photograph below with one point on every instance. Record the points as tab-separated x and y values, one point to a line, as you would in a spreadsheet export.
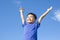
33	15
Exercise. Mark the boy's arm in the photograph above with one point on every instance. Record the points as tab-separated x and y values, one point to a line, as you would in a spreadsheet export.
44	14
21	14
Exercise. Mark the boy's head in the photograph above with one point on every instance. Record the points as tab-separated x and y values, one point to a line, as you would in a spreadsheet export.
31	18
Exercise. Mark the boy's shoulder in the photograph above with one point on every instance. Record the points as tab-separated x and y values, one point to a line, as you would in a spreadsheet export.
35	23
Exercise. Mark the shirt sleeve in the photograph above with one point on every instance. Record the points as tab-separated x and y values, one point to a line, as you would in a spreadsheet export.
24	24
38	25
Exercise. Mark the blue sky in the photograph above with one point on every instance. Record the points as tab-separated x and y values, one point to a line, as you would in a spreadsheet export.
10	21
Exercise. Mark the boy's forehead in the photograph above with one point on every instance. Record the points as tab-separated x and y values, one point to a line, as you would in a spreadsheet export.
30	15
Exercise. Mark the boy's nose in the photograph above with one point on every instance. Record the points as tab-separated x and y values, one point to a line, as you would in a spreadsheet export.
29	19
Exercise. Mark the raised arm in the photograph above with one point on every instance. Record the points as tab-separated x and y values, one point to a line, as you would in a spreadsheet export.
21	10
44	14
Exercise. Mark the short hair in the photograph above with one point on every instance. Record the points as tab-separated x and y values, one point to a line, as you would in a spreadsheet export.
33	15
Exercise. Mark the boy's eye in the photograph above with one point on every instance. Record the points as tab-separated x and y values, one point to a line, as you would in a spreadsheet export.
30	16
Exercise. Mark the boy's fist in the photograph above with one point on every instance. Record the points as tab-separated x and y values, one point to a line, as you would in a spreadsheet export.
21	10
50	8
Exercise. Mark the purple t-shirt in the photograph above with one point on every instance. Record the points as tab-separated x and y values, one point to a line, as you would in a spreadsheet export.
30	31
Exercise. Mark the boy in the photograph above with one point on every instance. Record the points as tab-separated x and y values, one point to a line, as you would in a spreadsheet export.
31	24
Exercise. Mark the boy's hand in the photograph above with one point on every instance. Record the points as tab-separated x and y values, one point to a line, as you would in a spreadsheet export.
21	10
49	8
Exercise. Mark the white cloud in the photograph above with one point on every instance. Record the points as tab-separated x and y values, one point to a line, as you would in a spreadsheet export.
56	16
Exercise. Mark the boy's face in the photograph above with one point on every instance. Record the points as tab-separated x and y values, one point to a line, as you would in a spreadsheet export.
30	18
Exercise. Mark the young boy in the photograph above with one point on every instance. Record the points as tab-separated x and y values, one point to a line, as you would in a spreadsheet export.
31	24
